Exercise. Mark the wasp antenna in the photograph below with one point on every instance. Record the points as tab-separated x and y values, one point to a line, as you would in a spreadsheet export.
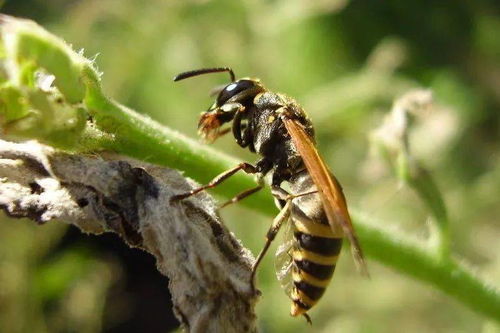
202	71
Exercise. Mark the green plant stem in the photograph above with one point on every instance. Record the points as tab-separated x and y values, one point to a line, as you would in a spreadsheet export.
392	141
410	257
411	173
140	137
426	188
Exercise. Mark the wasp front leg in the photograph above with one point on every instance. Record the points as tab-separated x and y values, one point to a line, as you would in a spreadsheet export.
242	195
247	167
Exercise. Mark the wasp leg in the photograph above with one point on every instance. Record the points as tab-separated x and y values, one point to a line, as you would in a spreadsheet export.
282	216
222	133
293	196
242	196
237	127
283	195
246	193
309	321
247	167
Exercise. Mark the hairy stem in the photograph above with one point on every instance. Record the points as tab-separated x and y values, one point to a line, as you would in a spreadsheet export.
412	258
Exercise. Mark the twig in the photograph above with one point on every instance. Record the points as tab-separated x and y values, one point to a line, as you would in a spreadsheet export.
209	270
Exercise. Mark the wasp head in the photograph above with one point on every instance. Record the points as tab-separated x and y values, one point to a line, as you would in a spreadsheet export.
230	100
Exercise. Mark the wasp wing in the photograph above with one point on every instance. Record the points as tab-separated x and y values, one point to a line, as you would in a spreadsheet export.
330	190
284	262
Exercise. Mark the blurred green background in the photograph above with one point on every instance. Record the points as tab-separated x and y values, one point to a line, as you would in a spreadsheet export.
345	62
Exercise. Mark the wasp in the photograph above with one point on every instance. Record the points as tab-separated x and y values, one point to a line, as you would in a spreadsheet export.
314	208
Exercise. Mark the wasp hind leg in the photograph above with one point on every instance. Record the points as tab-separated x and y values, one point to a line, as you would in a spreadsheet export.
283	195
282	216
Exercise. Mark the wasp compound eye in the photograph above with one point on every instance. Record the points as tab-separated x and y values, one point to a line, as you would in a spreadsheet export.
233	89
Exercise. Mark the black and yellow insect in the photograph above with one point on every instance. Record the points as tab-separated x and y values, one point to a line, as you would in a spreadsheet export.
277	128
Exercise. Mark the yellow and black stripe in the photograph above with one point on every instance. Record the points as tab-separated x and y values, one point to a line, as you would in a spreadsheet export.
315	254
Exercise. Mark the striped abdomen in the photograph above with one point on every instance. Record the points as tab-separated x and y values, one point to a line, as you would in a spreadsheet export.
314	254
306	260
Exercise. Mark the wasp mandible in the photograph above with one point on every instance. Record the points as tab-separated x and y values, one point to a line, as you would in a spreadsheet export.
274	126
